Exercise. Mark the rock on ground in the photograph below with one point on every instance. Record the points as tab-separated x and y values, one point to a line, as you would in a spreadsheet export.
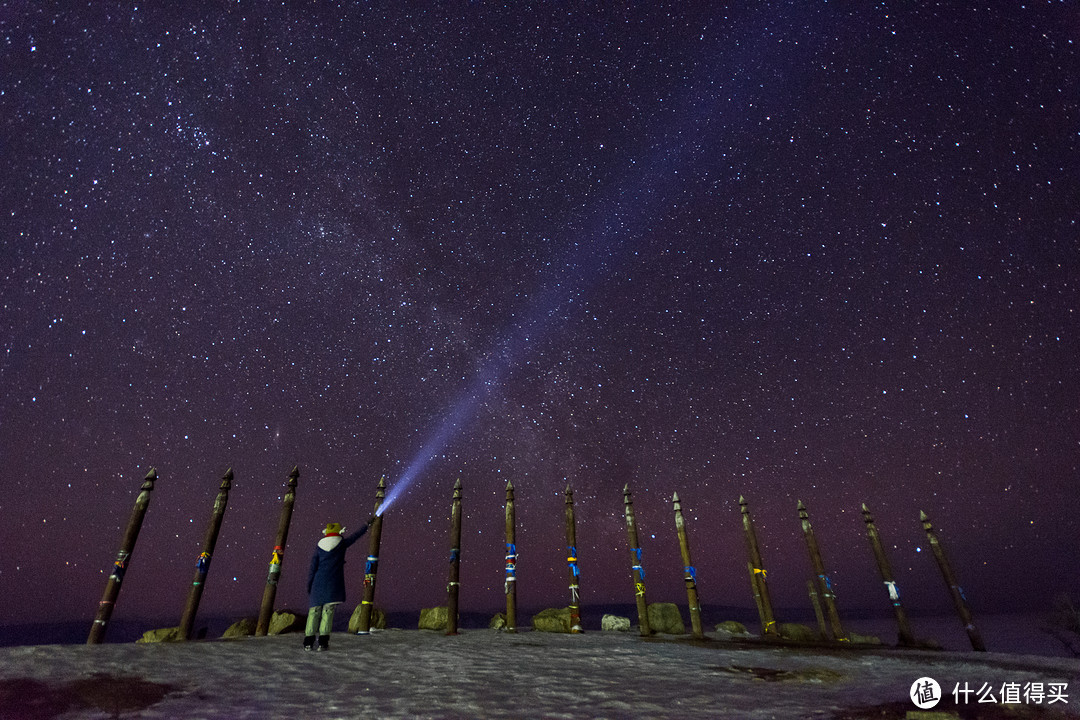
377	620
286	621
732	627
615	622
162	635
244	627
552	620
666	618
436	618
798	633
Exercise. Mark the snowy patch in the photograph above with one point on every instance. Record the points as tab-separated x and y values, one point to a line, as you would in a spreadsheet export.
488	674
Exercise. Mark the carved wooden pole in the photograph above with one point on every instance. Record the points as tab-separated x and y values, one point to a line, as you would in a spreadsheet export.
510	583
904	636
455	562
637	570
954	588
815	602
689	573
757	573
127	546
270	591
202	564
572	563
766	629
371	567
824	584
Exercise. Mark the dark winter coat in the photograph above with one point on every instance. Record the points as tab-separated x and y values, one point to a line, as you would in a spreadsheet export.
326	576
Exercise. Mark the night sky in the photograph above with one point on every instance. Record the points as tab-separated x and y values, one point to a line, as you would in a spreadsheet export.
800	250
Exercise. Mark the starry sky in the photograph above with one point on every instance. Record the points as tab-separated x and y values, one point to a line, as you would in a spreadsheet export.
789	250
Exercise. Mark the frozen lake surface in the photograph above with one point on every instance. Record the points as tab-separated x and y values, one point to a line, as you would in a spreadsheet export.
488	674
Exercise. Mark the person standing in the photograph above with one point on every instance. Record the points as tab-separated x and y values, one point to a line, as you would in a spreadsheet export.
326	583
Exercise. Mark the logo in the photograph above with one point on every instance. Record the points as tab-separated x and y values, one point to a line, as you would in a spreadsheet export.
925	693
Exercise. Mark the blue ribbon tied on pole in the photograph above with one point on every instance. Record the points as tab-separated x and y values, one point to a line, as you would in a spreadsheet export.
691	573
639	567
511	558
571	560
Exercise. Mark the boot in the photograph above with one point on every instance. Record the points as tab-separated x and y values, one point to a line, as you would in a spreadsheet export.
309	642
324	642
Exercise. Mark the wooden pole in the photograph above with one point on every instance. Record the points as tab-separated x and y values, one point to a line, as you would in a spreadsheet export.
202	563
959	600
510	583
127	546
572	563
270	591
904	635
637	570
824	584
371	567
455	562
757	573
815	601
689	573
765	629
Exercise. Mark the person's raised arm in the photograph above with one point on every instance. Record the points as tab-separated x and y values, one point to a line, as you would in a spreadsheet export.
358	534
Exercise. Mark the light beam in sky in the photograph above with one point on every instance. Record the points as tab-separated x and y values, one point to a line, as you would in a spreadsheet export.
628	212
584	262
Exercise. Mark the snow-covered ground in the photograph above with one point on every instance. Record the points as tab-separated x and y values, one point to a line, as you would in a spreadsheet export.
488	674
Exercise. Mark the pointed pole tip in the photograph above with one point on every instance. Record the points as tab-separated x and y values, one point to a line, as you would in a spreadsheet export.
152	475
509	484
228	475
457	484
923	516
742	500
801	506
675	497
865	509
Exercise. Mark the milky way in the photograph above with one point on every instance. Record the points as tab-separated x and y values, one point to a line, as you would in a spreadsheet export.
797	251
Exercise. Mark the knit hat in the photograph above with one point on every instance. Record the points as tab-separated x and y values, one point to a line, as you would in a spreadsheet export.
333	529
